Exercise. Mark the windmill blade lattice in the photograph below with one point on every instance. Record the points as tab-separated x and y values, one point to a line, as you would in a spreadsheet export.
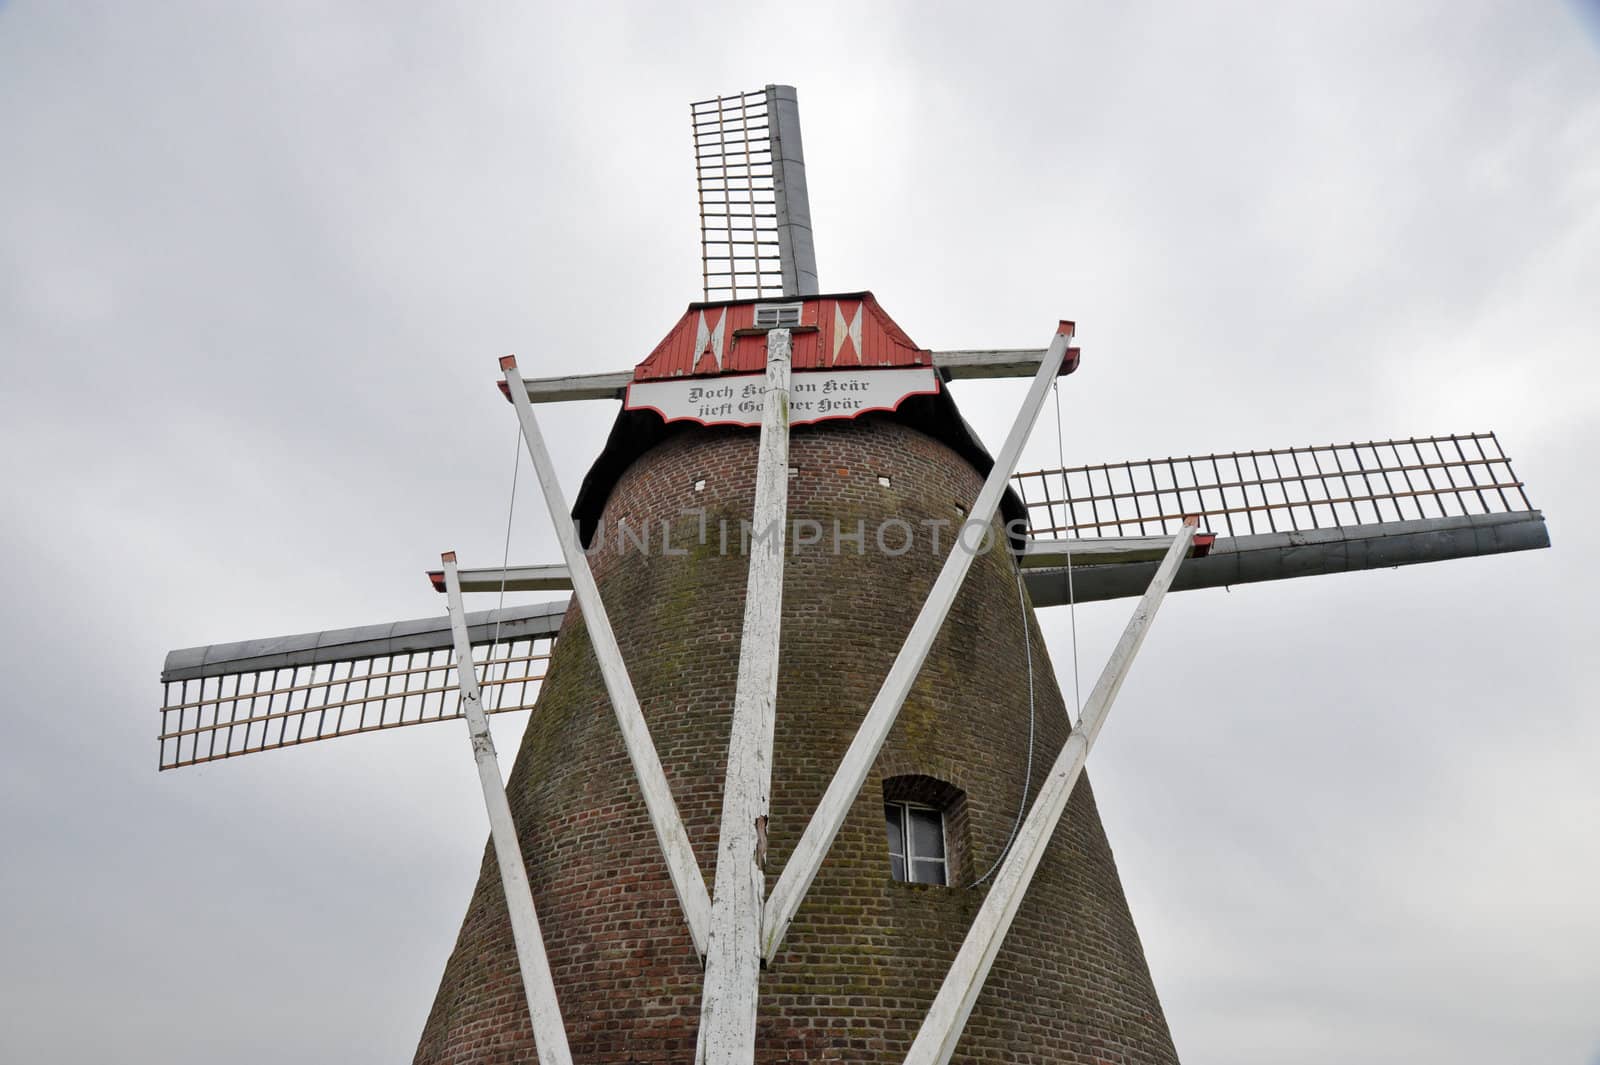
228	700
755	216
1297	489
1286	512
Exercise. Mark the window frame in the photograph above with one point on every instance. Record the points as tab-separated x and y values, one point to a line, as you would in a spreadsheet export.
908	857
779	314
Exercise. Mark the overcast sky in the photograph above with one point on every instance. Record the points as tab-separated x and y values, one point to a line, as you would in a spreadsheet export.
257	261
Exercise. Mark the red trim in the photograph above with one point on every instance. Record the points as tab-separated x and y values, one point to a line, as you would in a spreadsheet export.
436	578
508	362
881	343
505	388
1202	544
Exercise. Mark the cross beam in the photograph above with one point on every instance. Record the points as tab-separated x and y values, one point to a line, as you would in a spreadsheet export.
941	1029
549	1035
957	365
546	577
684	870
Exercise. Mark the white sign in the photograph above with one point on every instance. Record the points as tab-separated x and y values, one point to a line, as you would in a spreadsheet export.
814	396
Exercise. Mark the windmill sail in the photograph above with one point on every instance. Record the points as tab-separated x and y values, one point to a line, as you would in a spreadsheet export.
1287	512
226	700
750	178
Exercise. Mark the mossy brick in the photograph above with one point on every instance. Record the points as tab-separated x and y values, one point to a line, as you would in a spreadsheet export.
865	955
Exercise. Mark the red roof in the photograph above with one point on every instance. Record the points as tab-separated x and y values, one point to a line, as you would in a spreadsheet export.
840	330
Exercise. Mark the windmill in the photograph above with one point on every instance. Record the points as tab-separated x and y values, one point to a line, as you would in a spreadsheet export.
796	631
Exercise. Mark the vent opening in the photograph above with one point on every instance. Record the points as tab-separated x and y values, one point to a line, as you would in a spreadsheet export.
777	315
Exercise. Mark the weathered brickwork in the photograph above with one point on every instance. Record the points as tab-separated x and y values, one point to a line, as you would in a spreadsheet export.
865	954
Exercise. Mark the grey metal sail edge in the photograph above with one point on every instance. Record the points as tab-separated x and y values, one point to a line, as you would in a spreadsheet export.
750	182
796	252
225	700
1288	512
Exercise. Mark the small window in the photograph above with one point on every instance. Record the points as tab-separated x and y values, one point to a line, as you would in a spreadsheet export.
777	315
916	843
883	481
700	484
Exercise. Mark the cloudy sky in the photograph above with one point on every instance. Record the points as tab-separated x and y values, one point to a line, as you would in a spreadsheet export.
257	261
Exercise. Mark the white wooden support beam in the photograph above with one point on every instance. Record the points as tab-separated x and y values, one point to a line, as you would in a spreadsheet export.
549	1034
941	1029
996	362
548	577
1102	550
819	834
959	365
733	954
578	386
670	833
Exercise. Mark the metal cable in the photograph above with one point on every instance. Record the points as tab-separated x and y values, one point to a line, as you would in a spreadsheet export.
1072	598
1027	776
505	561
1027	645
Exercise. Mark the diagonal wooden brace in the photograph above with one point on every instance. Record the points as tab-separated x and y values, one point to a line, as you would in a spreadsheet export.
835	804
941	1029
549	1035
670	833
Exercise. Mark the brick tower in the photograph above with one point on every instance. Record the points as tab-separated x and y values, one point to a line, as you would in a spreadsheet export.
872	501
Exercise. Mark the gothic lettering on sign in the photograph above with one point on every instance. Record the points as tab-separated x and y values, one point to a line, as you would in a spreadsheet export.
817	396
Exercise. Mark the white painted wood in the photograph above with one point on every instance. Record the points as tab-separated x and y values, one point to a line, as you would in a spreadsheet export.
578	386
835	804
733	953
546	577
960	365
549	1034
990	362
353	644
675	847
941	1029
1093	551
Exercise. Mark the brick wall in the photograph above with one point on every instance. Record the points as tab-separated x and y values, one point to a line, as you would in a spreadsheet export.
865	954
